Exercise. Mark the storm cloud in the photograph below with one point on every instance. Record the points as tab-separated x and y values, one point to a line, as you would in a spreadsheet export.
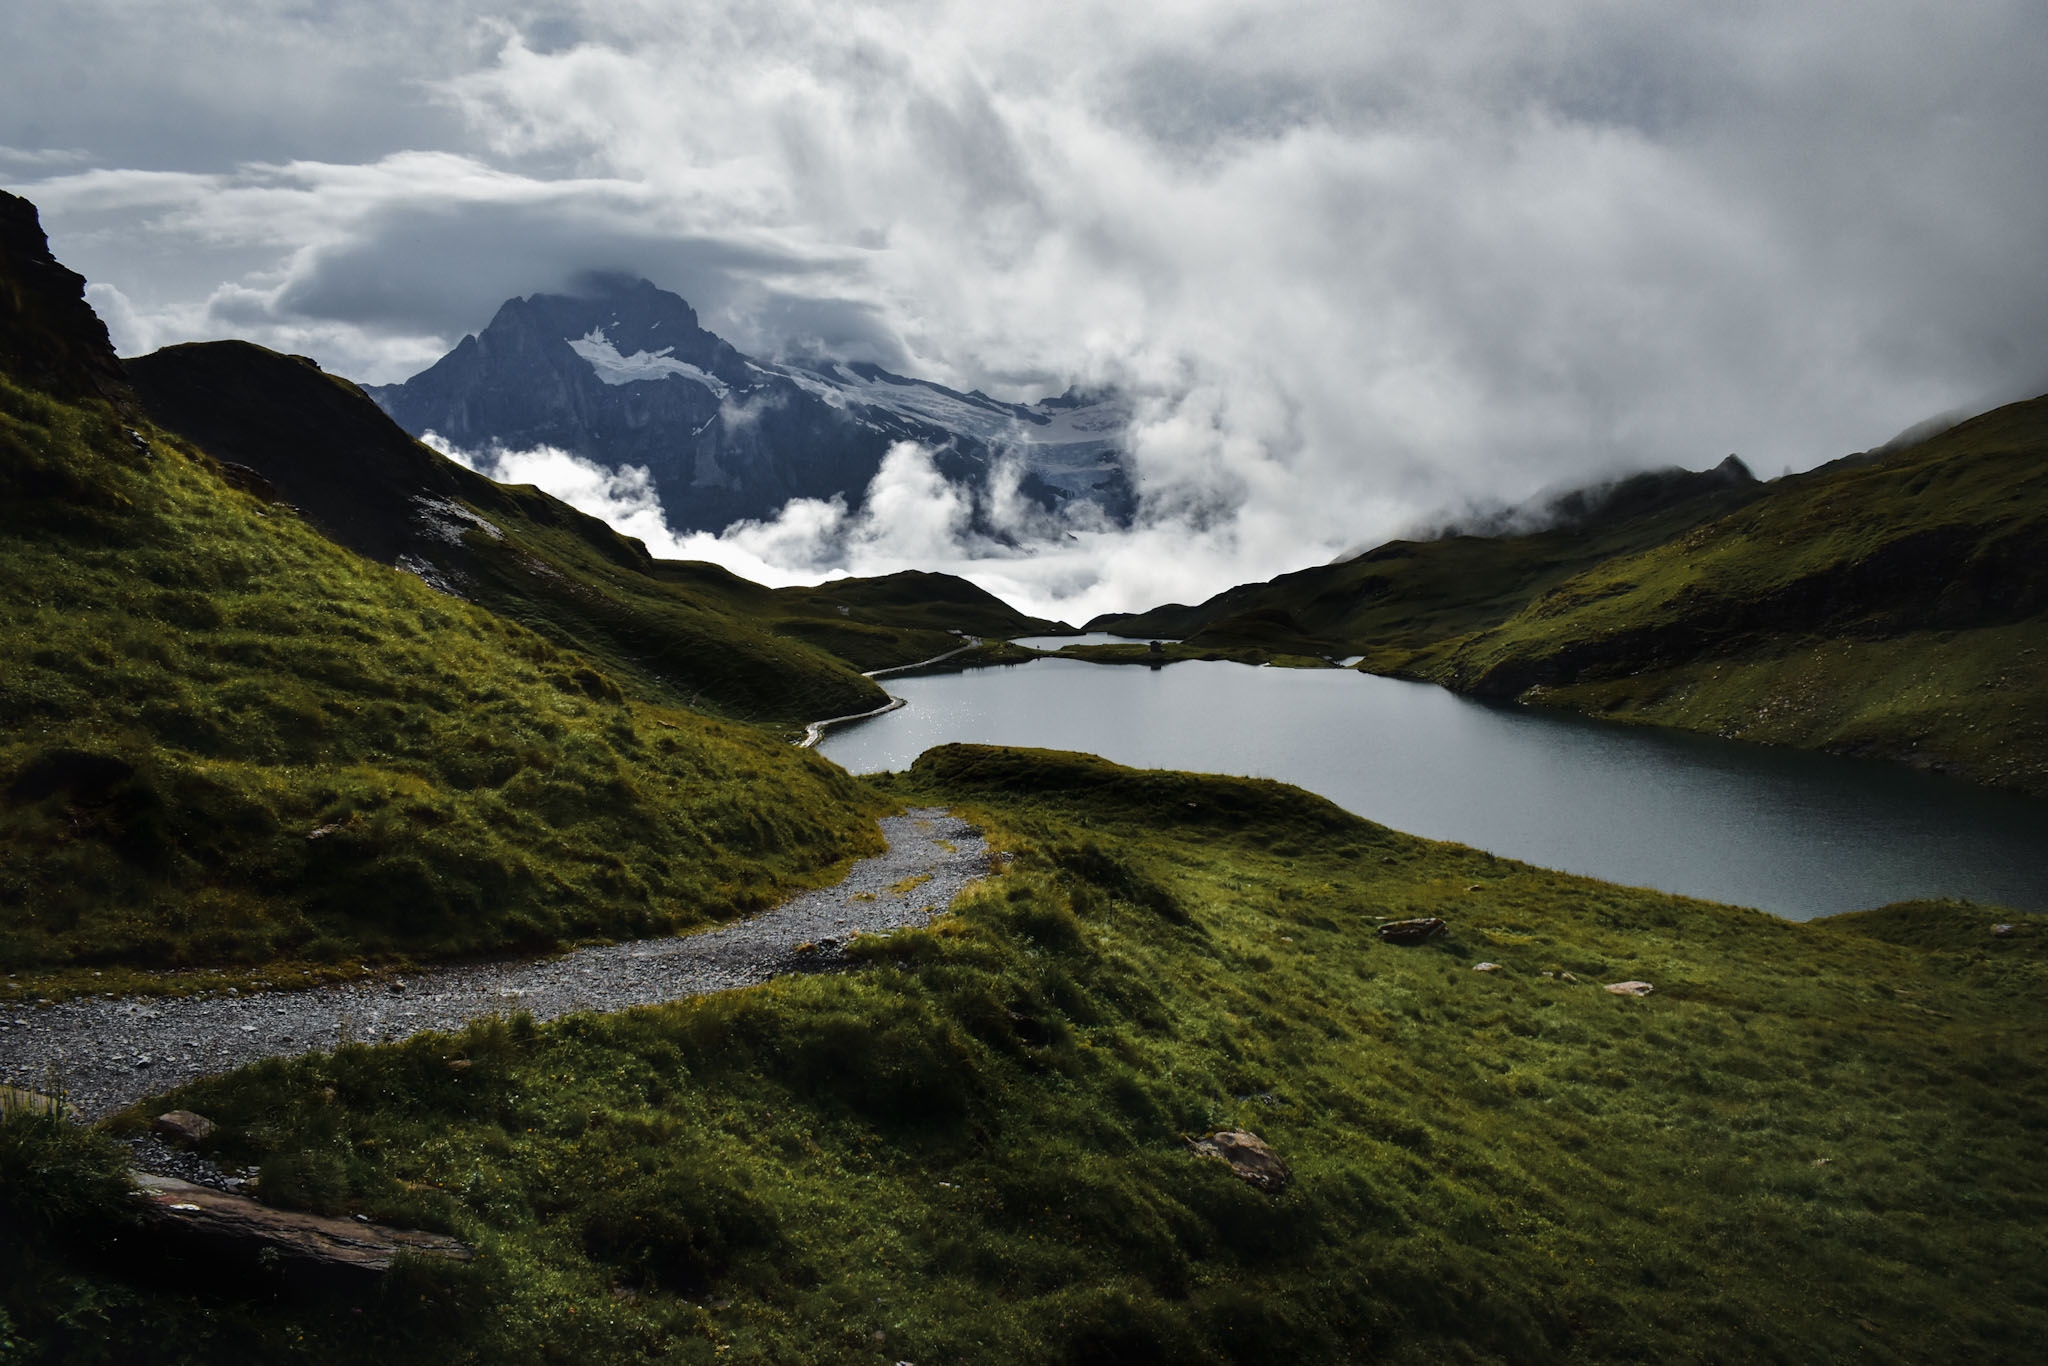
1356	264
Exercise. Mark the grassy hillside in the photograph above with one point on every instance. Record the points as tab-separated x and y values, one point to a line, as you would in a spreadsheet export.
1896	608
687	631
1814	1142
1407	596
1893	606
223	737
881	620
874	623
318	443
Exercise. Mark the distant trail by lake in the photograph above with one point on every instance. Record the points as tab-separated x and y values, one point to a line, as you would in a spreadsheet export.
815	731
109	1053
1791	832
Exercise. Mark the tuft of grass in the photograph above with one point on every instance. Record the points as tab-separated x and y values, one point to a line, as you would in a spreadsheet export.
1811	1142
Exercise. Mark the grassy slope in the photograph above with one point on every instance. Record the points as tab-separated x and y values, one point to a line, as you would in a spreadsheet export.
874	623
191	684
1894	607
1815	1142
1897	609
330	451
687	632
1407	596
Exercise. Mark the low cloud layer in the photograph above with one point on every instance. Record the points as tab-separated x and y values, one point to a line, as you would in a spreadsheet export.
1356	264
909	518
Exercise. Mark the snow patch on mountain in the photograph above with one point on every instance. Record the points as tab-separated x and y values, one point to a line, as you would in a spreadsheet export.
615	369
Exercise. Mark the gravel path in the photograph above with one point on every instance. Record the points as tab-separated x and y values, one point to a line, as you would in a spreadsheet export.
816	730
110	1052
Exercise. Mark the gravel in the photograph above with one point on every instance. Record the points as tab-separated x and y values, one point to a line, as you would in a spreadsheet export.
107	1053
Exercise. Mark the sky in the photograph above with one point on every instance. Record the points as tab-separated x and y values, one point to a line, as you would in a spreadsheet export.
1360	267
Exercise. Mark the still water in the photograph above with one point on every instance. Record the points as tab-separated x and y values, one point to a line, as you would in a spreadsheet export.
1796	834
1086	638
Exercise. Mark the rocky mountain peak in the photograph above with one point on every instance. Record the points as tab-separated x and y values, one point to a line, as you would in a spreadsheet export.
49	335
621	372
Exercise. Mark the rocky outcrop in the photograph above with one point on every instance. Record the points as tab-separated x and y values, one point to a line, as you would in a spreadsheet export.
183	1127
310	1251
1248	1156
50	338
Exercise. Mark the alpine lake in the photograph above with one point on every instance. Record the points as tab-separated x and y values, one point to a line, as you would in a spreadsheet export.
1794	833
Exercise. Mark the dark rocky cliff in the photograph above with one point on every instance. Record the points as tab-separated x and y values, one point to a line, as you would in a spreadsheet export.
49	336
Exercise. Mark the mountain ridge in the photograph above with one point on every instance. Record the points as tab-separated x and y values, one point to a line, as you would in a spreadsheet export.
1884	605
698	635
1337	607
226	738
625	375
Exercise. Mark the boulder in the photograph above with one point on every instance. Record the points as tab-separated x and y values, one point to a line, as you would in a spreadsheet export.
310	1250
182	1127
1630	988
1247	1156
1413	931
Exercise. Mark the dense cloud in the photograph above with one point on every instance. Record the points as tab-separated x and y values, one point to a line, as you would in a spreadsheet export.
1357	264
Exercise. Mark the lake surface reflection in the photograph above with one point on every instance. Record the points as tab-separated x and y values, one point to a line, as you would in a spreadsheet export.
1086	638
1796	834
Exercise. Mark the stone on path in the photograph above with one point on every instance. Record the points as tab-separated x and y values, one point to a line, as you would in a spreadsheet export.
182	1126
309	1249
1248	1156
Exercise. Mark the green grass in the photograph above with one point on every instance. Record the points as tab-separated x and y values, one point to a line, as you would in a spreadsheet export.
1896	608
1973	704
1892	606
1814	1142
913	600
1405	598
700	650
225	739
877	623
684	634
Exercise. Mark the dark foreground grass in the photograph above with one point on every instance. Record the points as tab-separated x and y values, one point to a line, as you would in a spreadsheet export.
225	739
1813	1143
